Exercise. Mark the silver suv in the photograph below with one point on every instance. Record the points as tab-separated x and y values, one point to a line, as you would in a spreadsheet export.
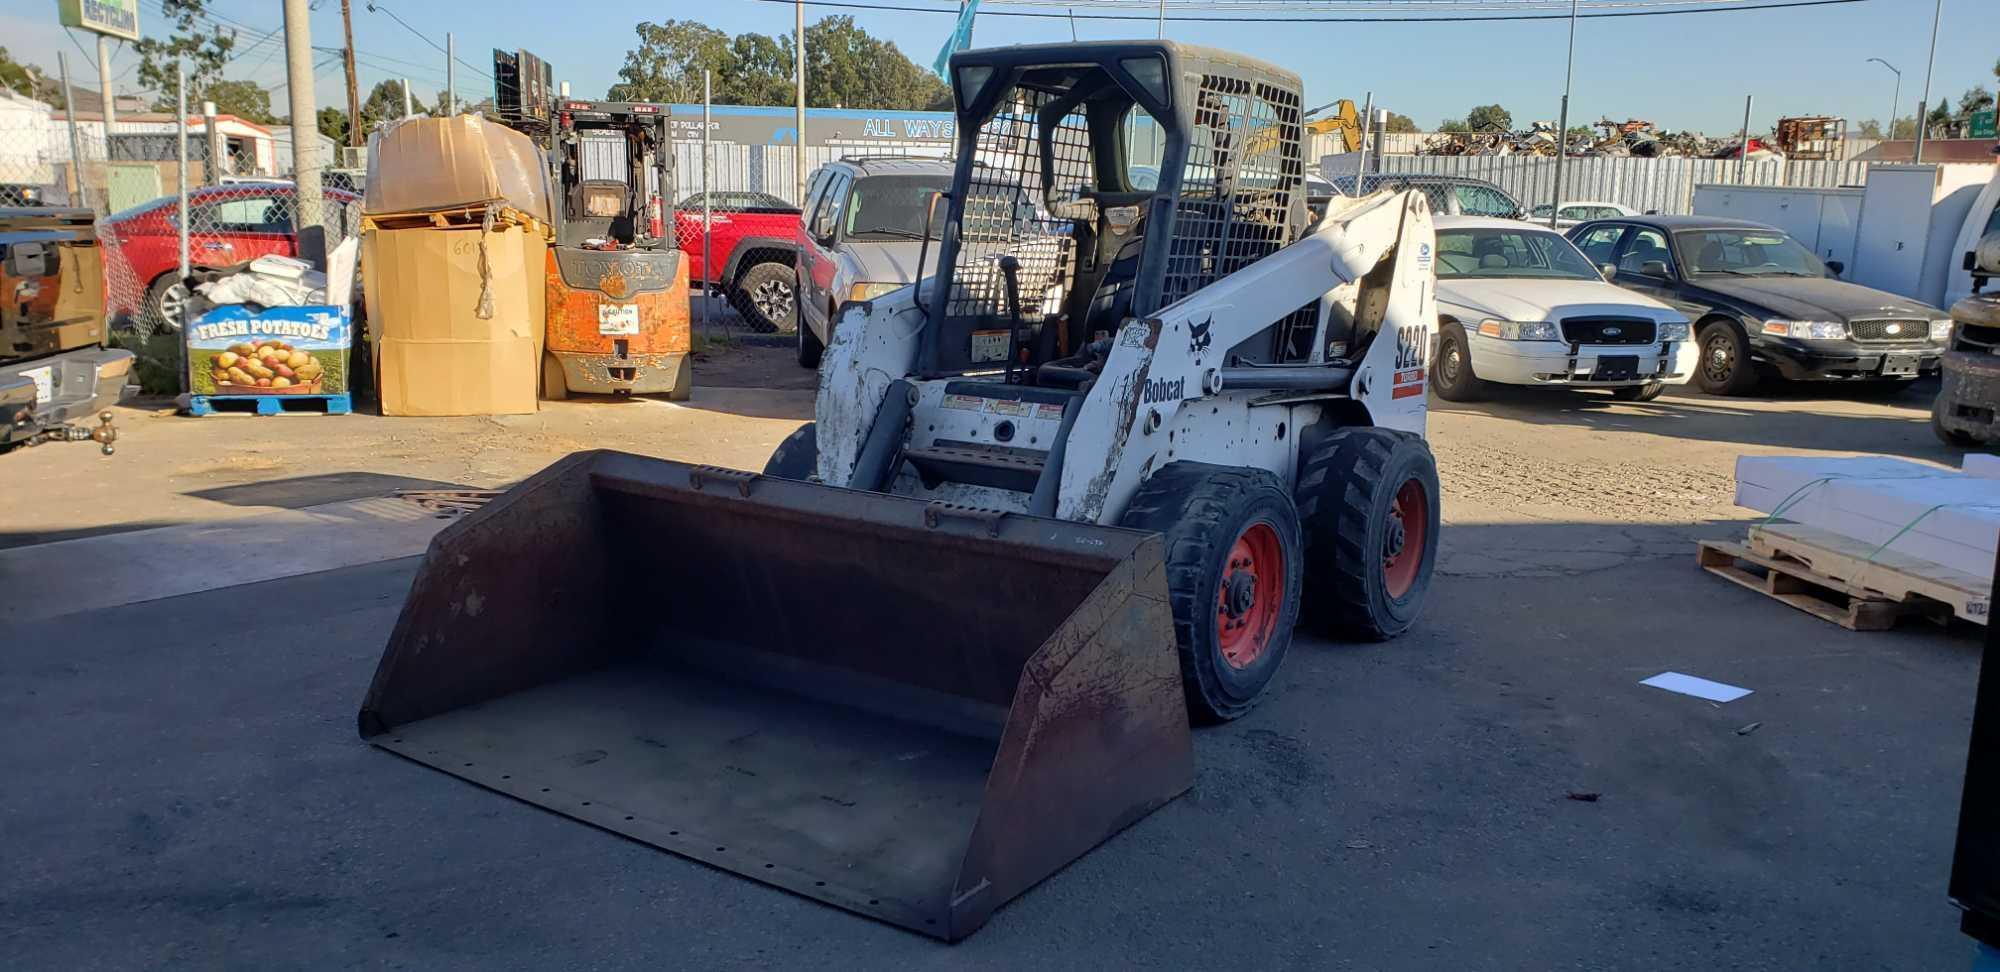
860	234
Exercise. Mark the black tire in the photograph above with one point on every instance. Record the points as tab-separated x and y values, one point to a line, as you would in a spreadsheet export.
1350	485
767	297
1451	373
1724	367
1639	393
1950	437
797	457
1205	512
166	301
810	346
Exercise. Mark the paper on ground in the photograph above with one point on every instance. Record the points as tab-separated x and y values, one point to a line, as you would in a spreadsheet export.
1700	688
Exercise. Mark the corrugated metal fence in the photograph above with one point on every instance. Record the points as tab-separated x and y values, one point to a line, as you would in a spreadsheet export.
1664	185
735	167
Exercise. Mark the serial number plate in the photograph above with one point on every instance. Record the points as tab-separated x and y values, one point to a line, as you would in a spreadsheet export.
618	318
1900	364
44	384
989	346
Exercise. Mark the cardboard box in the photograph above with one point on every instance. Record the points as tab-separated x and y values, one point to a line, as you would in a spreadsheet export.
434	354
1928	512
428	164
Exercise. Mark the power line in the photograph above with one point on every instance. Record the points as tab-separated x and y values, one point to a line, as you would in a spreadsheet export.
372	8
1647	10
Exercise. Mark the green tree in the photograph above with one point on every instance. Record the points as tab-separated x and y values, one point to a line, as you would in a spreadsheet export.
1489	118
847	68
384	102
1398	124
760	72
1939	118
335	125
205	51
1454	125
1904	128
244	99
1975	98
667	64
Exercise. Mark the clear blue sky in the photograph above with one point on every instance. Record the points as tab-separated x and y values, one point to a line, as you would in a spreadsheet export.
1688	71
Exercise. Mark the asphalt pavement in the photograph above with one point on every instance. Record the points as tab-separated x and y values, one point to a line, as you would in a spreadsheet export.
1493	791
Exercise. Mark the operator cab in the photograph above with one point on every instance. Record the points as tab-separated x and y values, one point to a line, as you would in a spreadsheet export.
1098	189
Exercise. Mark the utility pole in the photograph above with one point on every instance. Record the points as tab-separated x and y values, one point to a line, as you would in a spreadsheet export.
1743	150
1895	101
799	99
354	133
78	195
408	108
305	133
1923	107
111	103
1159	23
1562	120
450	84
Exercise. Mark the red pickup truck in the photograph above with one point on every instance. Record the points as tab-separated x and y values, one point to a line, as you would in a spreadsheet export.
752	251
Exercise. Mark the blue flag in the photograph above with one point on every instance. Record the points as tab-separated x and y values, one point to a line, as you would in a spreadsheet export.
960	39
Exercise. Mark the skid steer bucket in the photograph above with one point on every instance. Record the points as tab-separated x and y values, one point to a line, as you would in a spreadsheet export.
914	711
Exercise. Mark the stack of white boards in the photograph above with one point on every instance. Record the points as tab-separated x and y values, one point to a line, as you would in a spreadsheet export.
1930	513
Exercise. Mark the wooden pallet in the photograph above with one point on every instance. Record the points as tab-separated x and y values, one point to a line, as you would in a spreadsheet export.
1804	568
340	404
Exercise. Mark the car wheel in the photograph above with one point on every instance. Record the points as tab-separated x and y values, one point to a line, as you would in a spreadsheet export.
810	346
1451	373
166	302
767	296
1639	393
1725	367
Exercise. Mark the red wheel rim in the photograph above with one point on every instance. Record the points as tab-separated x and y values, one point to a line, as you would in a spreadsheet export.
1250	595
1403	543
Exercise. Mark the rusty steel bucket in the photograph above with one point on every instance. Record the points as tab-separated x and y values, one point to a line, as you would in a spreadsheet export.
913	711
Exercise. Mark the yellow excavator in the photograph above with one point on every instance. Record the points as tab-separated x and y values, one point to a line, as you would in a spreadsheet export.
1345	122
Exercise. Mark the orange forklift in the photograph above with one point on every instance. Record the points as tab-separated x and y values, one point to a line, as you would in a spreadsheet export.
617	285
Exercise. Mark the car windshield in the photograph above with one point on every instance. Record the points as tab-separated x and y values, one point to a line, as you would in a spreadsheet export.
1747	253
891	207
1484	253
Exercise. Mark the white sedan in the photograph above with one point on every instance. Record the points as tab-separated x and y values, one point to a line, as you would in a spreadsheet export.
1573	213
1520	305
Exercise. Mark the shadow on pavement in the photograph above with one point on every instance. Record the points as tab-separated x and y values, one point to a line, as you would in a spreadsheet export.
1791	415
302	491
29	538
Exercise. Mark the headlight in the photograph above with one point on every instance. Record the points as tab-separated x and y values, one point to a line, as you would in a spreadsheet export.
869	290
1520	330
1813	330
1941	330
1674	331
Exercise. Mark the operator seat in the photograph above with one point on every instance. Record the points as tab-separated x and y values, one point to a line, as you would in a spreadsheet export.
1713	256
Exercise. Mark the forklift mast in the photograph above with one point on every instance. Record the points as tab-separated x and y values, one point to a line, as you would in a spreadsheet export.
614	172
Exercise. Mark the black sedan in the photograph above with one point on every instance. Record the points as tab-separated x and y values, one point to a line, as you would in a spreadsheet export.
1764	304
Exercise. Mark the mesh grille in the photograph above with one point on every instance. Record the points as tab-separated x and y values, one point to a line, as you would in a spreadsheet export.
1003	218
1607	330
1890	330
1240	186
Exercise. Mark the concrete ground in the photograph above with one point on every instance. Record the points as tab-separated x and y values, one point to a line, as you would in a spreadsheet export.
189	790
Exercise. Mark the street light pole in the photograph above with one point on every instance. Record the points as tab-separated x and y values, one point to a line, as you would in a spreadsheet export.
1562	120
1895	100
1929	67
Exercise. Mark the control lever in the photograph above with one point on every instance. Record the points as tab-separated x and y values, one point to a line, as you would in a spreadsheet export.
1011	269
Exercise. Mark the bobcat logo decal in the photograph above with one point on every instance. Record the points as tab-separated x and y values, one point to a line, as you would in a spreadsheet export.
1198	339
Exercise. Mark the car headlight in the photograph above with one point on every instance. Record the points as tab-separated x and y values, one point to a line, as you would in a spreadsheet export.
1813	330
1520	330
1674	331
1941	330
869	290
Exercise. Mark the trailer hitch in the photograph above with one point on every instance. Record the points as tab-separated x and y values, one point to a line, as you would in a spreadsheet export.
103	433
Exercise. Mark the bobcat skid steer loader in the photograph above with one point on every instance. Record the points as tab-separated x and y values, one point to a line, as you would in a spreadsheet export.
1056	499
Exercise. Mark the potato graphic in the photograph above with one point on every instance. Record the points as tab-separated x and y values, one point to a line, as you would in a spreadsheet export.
281	382
263	382
219	376
242	349
227	359
241	377
298	359
261	372
284	371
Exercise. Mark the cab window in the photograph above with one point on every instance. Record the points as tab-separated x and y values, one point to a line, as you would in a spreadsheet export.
1646	245
827	215
1484	201
1599	243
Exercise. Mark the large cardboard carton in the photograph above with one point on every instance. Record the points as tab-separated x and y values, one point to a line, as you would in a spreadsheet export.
430	164
435	354
1923	511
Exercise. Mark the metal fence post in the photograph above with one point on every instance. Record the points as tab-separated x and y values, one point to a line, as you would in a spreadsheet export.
181	159
81	195
707	203
1743	150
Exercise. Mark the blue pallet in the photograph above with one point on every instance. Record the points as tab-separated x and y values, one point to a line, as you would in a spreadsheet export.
271	404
